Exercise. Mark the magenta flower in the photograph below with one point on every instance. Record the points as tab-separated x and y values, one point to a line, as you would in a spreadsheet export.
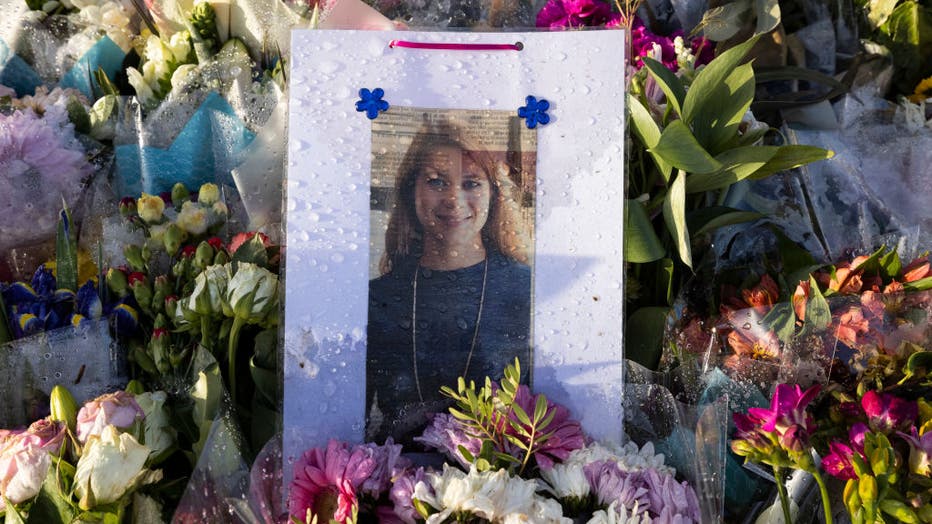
838	462
886	412
326	481
575	13
566	434
787	408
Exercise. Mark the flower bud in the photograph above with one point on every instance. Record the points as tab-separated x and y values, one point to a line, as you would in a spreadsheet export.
171	305
116	282
142	290
134	387
180	195
111	464
252	293
150	208
208	194
867	490
127	207
204	255
172	239
159	346
221	258
63	406
193	218
134	257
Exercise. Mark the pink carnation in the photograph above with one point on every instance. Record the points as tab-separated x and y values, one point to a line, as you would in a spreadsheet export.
566	433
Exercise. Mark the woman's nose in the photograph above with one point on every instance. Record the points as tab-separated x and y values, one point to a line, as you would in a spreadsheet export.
456	198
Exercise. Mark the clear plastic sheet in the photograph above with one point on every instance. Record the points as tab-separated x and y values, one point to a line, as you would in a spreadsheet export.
84	359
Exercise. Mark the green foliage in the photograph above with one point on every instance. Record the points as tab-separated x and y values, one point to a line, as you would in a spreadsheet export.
66	252
492	415
905	27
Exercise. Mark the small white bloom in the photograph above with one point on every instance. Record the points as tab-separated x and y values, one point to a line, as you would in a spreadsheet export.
566	480
192	218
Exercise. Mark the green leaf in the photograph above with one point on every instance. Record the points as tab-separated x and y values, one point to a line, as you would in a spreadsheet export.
78	116
644	334
768	15
665	279
674	215
66	252
890	264
641	242
12	515
681	149
252	251
719	97
908	35
739	163
919	364
669	83
818	314
723	22
878	11
465	453
647	130
708	219
781	320
106	86
51	504
791	157
922	284
521	414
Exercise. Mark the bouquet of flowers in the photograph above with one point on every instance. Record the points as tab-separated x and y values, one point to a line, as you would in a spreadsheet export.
511	456
96	464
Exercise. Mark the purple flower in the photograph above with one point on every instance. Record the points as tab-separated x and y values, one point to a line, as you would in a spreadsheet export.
671	501
41	162
611	484
886	412
402	495
566	434
838	462
575	13
446	434
920	452
787	408
388	464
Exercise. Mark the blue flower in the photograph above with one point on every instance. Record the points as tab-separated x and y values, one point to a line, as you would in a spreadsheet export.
371	102
535	112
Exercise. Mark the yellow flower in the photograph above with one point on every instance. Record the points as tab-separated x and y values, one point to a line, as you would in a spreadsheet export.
923	91
150	208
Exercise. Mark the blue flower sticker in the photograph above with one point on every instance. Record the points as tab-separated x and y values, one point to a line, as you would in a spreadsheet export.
535	112
371	102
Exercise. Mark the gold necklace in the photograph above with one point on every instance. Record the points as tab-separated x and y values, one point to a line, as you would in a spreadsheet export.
475	334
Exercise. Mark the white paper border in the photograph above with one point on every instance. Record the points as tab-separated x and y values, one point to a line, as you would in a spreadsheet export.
578	290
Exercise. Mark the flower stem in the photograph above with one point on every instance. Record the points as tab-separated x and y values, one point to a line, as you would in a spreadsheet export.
823	490
231	354
781	490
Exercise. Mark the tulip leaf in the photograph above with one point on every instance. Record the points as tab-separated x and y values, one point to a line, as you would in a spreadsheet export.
674	215
709	219
738	163
644	334
669	83
723	22
648	132
66	252
641	243
720	95
818	314
922	284
781	320
768	15
890	264
679	147
791	157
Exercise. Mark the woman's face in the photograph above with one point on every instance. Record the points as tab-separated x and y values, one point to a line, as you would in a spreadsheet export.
451	198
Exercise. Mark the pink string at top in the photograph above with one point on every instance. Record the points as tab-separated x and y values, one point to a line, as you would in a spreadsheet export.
517	46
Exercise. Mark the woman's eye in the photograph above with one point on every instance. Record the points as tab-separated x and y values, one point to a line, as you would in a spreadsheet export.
436	183
471	184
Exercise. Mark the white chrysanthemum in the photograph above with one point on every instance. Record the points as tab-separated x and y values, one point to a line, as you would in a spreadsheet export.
629	457
566	480
618	514
494	496
106	16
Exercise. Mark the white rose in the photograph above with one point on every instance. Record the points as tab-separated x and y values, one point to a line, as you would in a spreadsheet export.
160	434
111	465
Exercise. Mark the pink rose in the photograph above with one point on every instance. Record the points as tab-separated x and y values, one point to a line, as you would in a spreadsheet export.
24	464
50	434
111	409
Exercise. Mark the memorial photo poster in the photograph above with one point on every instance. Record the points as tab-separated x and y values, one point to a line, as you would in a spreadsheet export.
454	203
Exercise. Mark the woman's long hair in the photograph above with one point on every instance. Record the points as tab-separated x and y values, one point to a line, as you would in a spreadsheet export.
502	232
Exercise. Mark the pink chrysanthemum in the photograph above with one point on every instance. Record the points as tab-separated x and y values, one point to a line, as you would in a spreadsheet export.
611	484
446	434
402	495
671	501
326	481
388	464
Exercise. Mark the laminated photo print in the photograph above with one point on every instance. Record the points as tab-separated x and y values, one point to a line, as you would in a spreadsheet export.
454	205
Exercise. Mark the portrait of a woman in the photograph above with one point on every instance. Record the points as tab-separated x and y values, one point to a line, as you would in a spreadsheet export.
454	295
